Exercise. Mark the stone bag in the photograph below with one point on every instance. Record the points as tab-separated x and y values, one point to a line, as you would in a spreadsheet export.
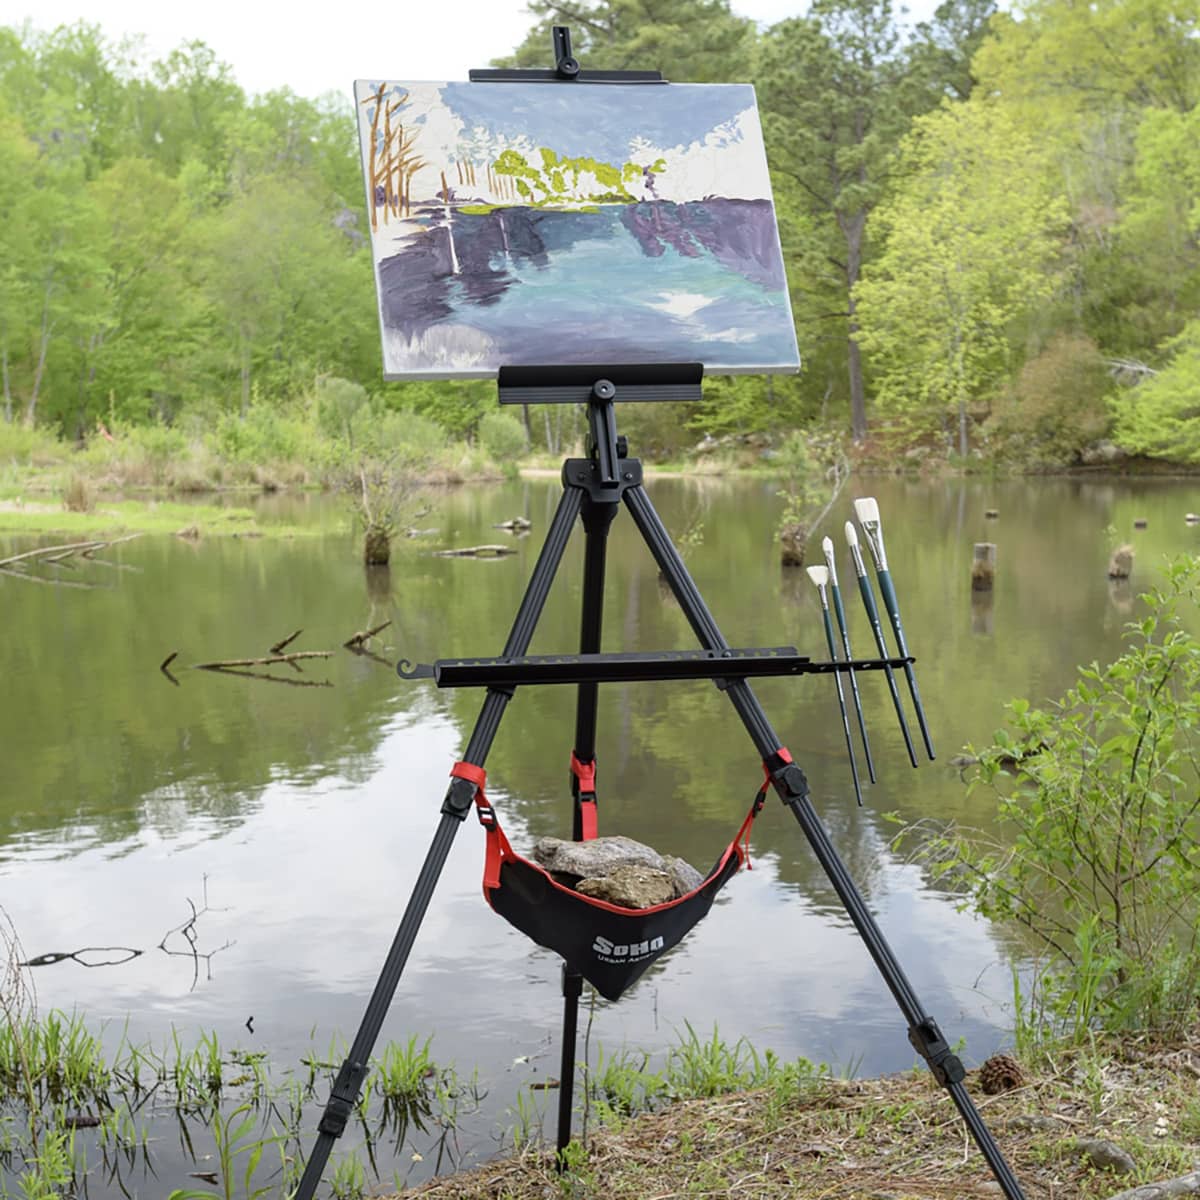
609	945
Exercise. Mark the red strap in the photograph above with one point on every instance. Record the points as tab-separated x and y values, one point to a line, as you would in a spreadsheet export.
497	843
588	816
742	838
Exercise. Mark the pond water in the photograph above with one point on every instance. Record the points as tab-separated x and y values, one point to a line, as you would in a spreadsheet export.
301	815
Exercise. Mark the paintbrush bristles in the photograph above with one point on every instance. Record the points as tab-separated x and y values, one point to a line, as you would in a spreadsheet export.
851	533
819	575
867	511
830	560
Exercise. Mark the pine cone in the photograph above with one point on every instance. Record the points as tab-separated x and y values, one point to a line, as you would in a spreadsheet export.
1001	1073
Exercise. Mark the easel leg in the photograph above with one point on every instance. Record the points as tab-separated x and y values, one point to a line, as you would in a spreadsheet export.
792	788
597	519
457	804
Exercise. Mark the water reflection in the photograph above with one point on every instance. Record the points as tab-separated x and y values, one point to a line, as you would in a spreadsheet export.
309	811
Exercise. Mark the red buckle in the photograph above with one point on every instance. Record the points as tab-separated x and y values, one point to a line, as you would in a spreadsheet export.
585	773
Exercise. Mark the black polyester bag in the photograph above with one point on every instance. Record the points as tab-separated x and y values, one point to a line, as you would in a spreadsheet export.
611	947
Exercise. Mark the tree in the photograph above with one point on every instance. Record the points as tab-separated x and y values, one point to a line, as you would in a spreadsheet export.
699	41
970	241
1161	416
839	90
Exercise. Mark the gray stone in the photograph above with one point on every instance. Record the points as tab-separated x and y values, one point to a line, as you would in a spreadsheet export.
1184	1185
630	886
683	875
1105	1155
600	856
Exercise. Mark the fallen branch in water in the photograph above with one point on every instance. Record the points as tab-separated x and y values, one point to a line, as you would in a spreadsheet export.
57	554
287	641
476	552
361	638
223	664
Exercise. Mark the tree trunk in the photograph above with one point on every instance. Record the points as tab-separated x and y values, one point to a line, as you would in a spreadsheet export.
39	372
377	546
245	378
7	388
852	229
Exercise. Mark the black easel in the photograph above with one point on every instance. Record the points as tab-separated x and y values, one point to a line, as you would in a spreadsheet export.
593	490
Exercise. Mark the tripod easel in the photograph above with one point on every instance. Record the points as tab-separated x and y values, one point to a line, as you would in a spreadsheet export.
594	488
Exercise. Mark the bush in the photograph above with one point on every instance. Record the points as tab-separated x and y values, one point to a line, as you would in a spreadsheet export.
1056	407
21	446
1099	853
503	437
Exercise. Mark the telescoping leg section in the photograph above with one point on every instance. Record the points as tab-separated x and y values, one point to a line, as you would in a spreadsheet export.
594	488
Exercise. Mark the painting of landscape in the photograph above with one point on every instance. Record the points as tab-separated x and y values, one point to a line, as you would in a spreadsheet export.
531	223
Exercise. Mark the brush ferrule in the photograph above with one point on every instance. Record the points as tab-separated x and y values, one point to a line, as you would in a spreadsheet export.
874	533
856	553
830	561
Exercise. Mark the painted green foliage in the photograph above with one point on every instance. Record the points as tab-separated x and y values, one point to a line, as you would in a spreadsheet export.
968	245
559	179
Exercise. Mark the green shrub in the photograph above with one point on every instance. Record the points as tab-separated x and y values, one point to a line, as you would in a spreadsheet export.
503	437
1098	852
1056	407
21	446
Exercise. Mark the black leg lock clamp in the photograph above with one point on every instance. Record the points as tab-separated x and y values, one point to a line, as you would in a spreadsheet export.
572	983
788	780
460	798
341	1100
927	1041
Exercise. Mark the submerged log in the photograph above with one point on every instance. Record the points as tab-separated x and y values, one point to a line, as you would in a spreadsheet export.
296	655
476	552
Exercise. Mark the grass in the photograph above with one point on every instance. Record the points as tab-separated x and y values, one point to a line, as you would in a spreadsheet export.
806	1135
228	1106
140	516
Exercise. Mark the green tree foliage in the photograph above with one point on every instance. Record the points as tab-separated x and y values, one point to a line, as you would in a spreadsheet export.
1100	823
1161	417
697	41
970	242
840	88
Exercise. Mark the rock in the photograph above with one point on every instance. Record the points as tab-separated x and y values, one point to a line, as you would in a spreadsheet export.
630	887
683	875
600	856
1101	454
1105	1155
1184	1185
1036	1123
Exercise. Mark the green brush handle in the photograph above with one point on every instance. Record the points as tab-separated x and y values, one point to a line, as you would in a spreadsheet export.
835	594
888	592
837	676
868	598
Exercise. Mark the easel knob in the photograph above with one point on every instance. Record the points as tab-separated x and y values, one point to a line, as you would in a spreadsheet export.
566	66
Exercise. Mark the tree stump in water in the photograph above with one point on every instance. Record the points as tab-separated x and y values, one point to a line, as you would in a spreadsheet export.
983	568
377	546
793	541
1120	566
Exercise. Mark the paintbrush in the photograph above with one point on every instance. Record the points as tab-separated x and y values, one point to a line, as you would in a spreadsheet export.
868	598
835	596
820	576
867	511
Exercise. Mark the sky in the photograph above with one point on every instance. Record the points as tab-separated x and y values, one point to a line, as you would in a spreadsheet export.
313	49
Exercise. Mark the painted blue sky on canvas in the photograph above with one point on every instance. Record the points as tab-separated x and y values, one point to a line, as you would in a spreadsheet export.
577	120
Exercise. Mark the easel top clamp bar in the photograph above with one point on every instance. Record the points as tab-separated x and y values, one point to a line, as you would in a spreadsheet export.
576	383
566	69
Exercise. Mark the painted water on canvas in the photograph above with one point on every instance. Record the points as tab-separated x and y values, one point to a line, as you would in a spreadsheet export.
533	223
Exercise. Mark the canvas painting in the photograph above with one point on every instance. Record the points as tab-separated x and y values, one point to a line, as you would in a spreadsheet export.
544	223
